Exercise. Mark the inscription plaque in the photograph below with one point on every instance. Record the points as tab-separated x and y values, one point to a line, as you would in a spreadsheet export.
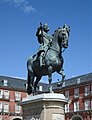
57	117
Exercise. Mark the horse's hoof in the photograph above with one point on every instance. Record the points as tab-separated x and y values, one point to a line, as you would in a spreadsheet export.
29	90
28	93
50	89
34	92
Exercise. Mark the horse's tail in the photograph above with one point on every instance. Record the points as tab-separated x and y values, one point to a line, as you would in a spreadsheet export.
29	64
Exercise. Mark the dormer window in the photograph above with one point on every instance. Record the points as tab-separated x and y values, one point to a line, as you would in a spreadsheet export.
5	82
40	88
78	81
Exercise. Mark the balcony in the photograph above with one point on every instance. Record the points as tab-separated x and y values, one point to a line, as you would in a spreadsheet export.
82	109
8	112
4	111
18	99
87	96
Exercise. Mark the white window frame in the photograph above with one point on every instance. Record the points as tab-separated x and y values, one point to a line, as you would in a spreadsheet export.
17	109
0	117
76	92
1	93
78	81
87	90
5	82
66	108
87	104
1	107
18	96
5	107
6	94
67	94
40	87
76	106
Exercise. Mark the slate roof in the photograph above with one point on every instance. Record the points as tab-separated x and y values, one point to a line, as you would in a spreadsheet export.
86	78
12	82
16	83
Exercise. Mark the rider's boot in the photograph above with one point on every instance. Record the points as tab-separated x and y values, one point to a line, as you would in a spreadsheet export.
42	60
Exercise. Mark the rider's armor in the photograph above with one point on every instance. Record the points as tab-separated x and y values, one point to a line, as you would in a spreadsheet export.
45	40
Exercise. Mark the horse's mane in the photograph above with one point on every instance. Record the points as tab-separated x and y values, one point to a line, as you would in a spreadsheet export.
56	32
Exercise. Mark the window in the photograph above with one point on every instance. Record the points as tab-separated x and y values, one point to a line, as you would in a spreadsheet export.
5	82
1	93
67	94
17	96
26	85
76	106
87	104
6	107
66	108
0	117
6	94
76	92
17	108
40	88
78	81
87	90
0	107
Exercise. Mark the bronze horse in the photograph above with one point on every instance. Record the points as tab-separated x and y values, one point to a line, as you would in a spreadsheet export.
53	60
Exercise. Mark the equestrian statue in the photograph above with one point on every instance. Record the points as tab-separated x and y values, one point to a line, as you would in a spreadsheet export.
48	58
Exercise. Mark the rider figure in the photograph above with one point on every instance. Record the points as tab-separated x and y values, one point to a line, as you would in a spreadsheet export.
43	36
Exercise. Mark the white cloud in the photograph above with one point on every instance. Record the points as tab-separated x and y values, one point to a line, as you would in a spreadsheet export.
24	5
19	1
28	8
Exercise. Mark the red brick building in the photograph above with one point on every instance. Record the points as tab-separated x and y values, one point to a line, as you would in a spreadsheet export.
12	90
78	90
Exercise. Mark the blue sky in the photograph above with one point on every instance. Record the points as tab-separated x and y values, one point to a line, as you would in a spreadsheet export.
19	20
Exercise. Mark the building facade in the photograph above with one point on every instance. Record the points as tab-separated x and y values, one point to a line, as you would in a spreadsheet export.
77	90
12	91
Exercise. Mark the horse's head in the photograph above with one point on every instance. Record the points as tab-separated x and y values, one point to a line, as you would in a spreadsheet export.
63	35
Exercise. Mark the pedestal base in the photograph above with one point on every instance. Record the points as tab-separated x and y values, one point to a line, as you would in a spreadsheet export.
49	106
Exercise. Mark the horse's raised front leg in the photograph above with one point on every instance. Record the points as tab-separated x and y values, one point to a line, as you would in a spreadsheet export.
30	80
61	72
50	79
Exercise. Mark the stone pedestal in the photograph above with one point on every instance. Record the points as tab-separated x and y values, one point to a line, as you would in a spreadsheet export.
49	106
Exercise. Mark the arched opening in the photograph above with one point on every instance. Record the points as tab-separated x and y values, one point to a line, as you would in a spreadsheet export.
77	117
16	119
